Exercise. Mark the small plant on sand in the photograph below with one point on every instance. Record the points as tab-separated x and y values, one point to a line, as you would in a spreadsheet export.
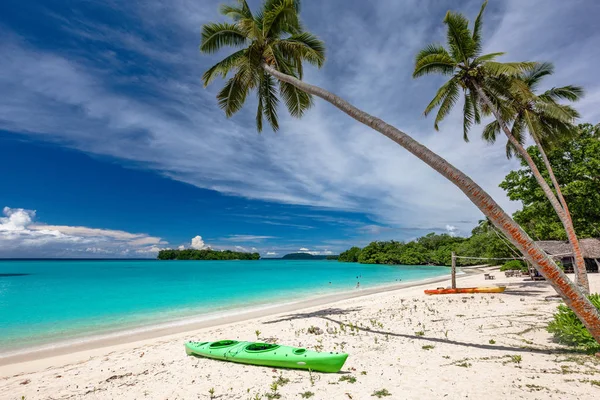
311	377
381	393
492	341
273	394
307	395
428	347
464	364
281	381
211	392
516	359
568	329
420	333
446	334
257	332
257	397
348	378
363	372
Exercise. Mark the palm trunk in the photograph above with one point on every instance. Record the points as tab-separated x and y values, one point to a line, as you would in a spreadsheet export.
569	292
581	275
580	270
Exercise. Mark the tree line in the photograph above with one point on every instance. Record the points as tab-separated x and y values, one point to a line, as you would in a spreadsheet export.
191	254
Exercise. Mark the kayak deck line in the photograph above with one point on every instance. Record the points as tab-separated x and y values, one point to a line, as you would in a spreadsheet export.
267	354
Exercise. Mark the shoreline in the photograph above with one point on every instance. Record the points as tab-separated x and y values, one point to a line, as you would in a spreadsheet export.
128	337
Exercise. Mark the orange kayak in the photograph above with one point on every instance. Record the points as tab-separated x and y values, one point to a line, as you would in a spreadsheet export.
489	289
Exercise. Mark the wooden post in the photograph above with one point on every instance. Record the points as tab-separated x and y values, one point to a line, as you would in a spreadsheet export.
453	270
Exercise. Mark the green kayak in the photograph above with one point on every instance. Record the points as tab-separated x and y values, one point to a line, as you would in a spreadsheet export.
270	355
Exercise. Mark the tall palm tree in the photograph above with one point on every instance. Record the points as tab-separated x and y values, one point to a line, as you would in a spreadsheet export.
483	81
248	31
547	122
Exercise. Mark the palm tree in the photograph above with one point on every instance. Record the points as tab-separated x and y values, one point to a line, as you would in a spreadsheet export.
547	121
484	81
248	31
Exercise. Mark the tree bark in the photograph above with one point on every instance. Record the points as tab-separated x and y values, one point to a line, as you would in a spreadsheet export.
568	291
581	278
580	269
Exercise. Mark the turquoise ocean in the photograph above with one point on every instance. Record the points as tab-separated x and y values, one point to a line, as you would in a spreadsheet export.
51	300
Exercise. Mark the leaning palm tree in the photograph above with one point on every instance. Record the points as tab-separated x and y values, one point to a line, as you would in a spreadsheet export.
484	81
546	120
270	44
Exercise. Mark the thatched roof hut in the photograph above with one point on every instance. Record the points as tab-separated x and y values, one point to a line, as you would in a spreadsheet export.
589	247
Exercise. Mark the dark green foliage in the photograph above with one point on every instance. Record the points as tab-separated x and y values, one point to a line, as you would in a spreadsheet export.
306	256
569	330
514	265
576	164
434	249
191	254
350	255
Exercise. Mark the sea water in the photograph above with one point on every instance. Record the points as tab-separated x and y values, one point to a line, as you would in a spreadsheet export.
45	301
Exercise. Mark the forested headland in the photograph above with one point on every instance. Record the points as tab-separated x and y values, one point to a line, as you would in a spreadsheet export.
191	254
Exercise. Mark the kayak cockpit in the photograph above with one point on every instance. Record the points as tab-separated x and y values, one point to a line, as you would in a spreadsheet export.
222	344
260	347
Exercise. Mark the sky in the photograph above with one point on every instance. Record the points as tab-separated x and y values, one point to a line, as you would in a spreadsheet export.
111	147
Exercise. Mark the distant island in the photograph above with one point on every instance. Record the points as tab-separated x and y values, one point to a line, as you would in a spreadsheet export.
306	256
191	254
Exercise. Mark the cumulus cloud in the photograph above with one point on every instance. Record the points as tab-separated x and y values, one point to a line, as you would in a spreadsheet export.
21	236
198	244
271	253
451	230
303	249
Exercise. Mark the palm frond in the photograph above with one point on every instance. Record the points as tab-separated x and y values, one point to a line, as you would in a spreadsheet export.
477	29
223	67
570	92
281	17
434	64
217	35
559	112
233	95
305	46
237	13
460	41
476	106
491	132
468	116
296	100
535	75
259	112
447	104
442	93
512	69
485	58
268	92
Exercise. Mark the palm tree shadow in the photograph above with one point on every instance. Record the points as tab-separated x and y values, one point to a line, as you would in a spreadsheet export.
327	314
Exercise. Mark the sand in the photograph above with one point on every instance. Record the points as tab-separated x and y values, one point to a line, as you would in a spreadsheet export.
411	345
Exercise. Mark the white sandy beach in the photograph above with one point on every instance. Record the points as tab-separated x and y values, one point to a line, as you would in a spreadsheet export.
414	346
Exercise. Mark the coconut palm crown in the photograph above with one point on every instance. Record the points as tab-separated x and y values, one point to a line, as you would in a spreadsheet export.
546	120
467	67
274	36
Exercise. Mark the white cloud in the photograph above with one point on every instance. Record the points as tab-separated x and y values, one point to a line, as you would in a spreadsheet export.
303	249
247	238
20	236
451	230
198	244
271	253
182	247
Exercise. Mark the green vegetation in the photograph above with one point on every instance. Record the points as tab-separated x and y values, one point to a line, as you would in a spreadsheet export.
514	265
190	254
381	393
434	249
569	330
576	164
347	378
307	256
307	395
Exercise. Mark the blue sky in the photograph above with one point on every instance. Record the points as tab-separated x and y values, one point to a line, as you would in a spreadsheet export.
111	147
